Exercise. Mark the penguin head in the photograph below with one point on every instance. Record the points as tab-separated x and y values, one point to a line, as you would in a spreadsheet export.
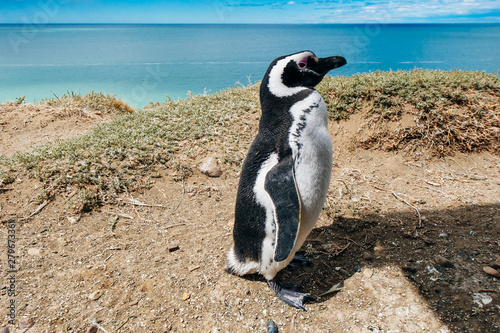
293	73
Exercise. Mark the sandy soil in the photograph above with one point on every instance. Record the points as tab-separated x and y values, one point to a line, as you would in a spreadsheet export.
408	236
27	125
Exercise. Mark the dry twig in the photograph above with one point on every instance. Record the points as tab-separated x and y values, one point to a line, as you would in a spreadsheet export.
94	322
37	210
136	202
409	204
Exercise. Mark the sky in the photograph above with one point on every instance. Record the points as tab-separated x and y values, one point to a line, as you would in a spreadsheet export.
240	11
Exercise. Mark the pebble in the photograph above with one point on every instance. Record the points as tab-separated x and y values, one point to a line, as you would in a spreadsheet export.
193	268
33	252
271	327
210	168
378	248
442	261
496	264
96	295
73	219
481	299
93	329
368	272
26	323
5	329
186	296
464	255
410	268
368	256
491	271
172	247
344	272
443	235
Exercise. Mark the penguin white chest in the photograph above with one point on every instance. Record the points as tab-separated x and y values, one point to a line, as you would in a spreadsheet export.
312	151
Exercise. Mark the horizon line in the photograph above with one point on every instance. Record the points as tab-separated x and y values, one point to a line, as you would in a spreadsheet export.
222	23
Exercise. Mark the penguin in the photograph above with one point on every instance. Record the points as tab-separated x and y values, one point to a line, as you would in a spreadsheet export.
286	173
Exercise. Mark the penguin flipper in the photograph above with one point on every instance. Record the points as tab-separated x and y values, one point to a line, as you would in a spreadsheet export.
281	186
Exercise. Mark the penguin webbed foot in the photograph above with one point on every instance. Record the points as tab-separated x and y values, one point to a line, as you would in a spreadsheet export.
299	261
290	294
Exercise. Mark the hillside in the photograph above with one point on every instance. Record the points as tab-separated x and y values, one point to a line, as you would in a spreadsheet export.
119	226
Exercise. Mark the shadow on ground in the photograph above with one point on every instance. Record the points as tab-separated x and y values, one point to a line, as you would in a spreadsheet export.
443	258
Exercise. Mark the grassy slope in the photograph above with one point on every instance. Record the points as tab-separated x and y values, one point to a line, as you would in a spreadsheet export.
454	110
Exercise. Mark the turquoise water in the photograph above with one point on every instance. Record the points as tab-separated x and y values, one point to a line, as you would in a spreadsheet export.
141	63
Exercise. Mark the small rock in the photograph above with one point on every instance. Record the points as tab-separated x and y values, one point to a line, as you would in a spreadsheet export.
491	271
344	272
5	329
378	248
61	241
496	264
368	256
73	219
271	327
210	168
443	235
186	296
481	299
34	252
443	262
96	295
93	329
410	268
368	272
463	255
26	323
172	247
432	270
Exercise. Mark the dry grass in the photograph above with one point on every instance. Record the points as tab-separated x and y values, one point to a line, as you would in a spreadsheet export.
117	156
453	111
94	101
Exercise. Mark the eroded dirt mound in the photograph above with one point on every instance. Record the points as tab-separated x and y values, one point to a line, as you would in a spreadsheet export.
441	112
24	126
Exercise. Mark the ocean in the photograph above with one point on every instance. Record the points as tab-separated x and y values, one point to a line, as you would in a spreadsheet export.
142	63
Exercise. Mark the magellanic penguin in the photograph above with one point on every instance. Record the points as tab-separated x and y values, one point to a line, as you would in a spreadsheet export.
285	176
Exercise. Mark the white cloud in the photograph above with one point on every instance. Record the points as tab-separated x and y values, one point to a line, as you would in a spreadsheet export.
391	11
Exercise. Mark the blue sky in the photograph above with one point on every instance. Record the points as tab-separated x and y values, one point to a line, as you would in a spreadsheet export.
240	11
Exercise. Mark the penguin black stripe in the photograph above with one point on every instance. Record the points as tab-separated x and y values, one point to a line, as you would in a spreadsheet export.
285	176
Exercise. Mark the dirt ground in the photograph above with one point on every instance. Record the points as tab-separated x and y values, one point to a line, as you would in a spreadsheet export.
27	125
408	236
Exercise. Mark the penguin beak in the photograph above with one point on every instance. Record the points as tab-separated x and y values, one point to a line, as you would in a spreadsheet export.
322	66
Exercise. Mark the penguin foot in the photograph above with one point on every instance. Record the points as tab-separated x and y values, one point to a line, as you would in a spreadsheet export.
299	261
289	294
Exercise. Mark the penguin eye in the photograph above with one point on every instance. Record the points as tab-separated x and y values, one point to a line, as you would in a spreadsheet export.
303	63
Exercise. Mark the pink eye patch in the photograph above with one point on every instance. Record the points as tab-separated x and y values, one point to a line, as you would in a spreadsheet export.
303	63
